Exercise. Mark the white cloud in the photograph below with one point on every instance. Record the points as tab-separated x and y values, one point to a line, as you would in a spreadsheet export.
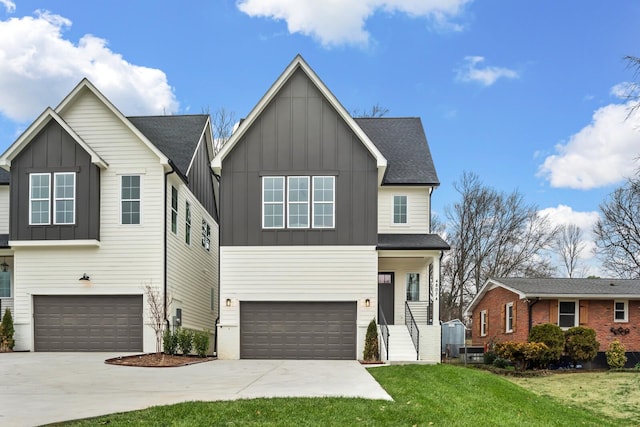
472	71
600	154
335	22
9	6
38	67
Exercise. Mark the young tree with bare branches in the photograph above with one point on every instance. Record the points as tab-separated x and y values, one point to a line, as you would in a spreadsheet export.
569	244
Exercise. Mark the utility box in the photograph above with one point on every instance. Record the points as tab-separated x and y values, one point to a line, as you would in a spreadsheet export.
453	333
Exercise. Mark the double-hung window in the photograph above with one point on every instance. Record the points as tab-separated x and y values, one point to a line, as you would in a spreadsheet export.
273	202
206	235
63	204
400	210
130	199
508	319
39	198
621	311
298	202
174	210
323	201
483	323
567	314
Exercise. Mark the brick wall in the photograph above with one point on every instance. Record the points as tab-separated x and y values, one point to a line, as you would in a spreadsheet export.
494	302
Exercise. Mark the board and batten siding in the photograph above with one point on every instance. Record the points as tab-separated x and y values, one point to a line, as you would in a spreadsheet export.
192	271
4	209
294	273
299	133
418	210
128	256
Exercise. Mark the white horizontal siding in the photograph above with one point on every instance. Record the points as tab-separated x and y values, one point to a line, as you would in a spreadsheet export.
192	271
417	210
4	209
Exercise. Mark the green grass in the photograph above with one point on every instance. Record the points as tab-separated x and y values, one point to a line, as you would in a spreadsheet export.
441	395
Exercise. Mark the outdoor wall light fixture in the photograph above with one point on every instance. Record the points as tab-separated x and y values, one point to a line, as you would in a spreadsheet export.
228	302
85	278
4	265
367	302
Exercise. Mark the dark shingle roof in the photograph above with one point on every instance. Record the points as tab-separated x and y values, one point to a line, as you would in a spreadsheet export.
176	136
411	242
567	287
4	177
403	143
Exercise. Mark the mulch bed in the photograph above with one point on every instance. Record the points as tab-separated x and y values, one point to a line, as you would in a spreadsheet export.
157	360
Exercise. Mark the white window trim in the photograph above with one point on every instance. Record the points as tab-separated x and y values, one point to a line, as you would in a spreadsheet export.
576	320
626	311
130	200
508	326
289	202
483	323
55	199
393	210
31	199
333	202
283	203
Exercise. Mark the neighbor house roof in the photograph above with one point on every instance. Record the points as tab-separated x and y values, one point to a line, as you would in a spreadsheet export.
176	136
553	288
411	242
403	143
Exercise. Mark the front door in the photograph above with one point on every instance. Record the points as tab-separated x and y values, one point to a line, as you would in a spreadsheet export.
385	296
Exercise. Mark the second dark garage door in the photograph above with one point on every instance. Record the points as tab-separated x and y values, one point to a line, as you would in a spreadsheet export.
298	330
87	323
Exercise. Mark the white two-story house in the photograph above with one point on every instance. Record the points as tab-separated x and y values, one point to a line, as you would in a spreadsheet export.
325	225
100	207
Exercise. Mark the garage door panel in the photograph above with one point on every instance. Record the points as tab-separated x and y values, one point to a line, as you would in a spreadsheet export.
88	323
298	330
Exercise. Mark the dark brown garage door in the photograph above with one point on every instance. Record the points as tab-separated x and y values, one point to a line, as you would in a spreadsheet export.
298	330
88	323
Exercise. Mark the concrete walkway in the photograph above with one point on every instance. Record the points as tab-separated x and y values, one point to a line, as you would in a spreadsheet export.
40	388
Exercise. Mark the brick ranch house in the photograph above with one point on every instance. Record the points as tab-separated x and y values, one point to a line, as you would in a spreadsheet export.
505	309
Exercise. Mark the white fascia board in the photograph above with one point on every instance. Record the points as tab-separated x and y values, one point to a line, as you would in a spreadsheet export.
488	285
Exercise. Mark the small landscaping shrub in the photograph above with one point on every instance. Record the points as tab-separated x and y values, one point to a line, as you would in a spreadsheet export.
170	342
581	344
553	337
185	340
637	366
501	363
371	351
520	353
201	342
616	359
489	357
6	331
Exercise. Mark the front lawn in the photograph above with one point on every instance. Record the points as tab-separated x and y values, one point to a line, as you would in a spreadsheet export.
425	395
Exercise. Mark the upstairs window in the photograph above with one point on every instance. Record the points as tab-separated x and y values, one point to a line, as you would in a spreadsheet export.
64	198
39	198
187	223
206	235
621	311
130	199
323	201
273	202
400	210
298	202
174	210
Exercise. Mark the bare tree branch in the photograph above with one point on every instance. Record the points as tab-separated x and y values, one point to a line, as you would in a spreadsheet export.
375	111
569	244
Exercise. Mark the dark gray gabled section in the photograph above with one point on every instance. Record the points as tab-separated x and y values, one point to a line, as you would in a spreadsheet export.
181	138
403	143
299	133
54	150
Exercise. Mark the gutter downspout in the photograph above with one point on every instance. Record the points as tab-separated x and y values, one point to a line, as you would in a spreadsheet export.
215	337
531	304
166	254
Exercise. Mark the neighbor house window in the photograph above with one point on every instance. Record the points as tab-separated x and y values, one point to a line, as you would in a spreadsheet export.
187	223
413	287
323	201
567	316
130	199
174	210
298	202
39	198
273	202
621	311
483	323
5	284
508	319
400	209
206	235
64	198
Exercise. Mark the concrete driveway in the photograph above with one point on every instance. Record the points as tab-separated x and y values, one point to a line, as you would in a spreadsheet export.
40	388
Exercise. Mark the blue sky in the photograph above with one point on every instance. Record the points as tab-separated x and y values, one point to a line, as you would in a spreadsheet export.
526	94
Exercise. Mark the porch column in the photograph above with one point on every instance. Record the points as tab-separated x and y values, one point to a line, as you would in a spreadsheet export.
436	291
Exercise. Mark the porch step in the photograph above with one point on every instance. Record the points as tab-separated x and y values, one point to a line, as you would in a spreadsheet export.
401	347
